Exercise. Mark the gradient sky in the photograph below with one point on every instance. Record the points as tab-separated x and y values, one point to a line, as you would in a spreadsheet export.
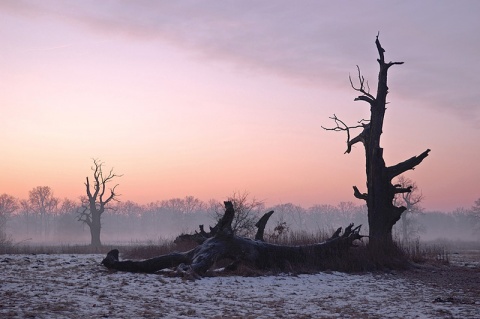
205	98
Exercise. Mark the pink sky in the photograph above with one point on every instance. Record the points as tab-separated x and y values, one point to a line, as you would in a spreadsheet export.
205	98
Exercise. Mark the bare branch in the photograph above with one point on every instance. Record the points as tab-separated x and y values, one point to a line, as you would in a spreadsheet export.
362	89
381	52
261	225
85	216
359	195
113	196
400	190
364	98
402	167
96	175
362	137
87	184
341	126
413	200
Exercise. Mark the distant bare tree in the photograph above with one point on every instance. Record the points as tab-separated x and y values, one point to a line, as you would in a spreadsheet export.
8	205
327	217
290	214
411	201
193	204
67	228
97	200
187	205
43	205
347	210
129	208
68	206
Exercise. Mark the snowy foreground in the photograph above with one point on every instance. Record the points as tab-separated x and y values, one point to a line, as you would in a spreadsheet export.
78	286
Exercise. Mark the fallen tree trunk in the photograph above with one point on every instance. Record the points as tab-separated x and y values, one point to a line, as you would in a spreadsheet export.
225	245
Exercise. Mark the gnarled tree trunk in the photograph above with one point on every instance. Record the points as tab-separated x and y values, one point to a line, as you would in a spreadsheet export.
226	245
382	213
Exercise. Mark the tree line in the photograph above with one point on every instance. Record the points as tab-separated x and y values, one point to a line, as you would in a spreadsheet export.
45	218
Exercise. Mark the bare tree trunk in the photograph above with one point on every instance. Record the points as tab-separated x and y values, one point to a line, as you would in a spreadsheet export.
95	230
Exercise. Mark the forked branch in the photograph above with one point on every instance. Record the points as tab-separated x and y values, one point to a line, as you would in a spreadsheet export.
85	216
381	54
364	88
341	126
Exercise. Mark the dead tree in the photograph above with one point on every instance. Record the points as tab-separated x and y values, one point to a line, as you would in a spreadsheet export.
97	201
225	245
382	213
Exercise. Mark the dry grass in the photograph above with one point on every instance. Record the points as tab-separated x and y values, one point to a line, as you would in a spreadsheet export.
362	258
55	249
418	252
298	238
153	249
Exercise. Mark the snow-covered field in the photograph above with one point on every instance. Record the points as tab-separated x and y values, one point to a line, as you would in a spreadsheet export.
78	286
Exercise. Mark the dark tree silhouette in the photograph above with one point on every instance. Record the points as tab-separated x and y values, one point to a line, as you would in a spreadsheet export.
382	213
225	245
97	200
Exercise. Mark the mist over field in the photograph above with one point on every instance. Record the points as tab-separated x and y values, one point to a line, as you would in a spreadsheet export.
131	223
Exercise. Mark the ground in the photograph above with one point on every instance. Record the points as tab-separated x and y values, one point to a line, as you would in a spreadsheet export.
78	286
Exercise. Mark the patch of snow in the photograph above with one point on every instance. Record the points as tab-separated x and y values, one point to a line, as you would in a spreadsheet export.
78	286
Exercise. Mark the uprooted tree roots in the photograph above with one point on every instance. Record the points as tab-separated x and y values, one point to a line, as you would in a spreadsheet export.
225	245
